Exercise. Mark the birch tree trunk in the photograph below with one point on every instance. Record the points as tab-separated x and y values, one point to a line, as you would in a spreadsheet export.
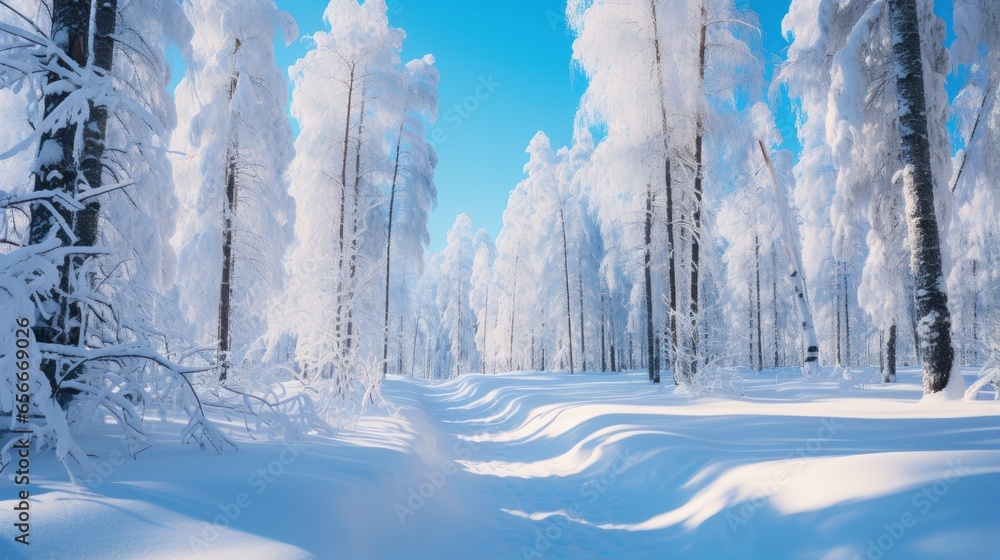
918	191
811	364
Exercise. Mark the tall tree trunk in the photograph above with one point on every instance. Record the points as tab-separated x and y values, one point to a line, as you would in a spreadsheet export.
486	331
918	190
71	28
760	328
604	361
413	347
229	214
654	374
668	188
355	217
692	369
774	300
840	330
583	329
810	365
388	252
889	375
343	205
513	307
847	317
85	224
569	314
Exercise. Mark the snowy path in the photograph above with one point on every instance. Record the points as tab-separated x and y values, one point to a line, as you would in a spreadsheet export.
558	466
606	466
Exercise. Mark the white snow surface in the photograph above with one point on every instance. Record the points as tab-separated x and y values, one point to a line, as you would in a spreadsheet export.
544	465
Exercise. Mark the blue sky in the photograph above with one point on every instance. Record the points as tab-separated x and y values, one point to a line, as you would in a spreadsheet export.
523	49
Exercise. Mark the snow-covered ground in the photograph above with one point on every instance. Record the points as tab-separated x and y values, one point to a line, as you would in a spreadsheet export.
538	465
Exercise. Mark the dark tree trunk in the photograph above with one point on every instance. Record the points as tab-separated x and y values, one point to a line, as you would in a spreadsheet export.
889	373
604	362
388	253
71	28
668	188
569	314
654	374
229	214
692	369
847	316
918	189
343	203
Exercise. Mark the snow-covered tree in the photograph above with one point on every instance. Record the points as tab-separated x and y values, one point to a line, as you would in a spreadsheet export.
234	146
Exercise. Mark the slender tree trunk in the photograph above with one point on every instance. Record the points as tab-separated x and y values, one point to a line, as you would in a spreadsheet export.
388	251
692	369
847	318
513	307
750	327
486	331
918	190
343	203
229	215
811	364
668	188
654	374
774	300
972	136
760	329
604	361
975	314
840	330
416	331
583	329
355	217
569	314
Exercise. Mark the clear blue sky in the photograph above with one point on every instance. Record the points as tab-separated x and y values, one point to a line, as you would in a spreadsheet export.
525	48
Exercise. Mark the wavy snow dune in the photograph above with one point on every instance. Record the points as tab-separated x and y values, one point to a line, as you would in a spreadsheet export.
534	465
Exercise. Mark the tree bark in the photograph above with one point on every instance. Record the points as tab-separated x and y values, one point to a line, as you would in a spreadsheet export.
229	213
355	217
388	253
513	307
343	204
71	28
604	361
774	300
569	314
583	330
760	327
810	365
668	188
654	374
692	369
918	190
889	375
